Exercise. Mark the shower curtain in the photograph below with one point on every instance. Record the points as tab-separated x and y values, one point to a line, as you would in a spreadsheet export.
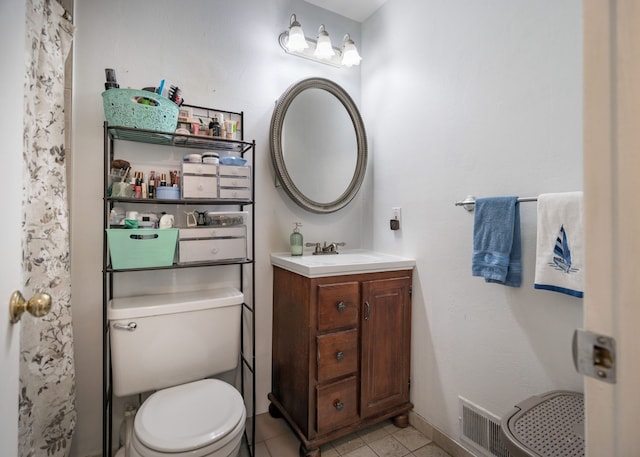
47	413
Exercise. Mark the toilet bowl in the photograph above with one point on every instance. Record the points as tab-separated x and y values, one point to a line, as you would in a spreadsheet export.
201	419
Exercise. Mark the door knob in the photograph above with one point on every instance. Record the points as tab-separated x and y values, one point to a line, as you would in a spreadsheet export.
38	305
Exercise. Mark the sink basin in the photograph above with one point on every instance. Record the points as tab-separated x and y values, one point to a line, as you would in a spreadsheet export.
347	262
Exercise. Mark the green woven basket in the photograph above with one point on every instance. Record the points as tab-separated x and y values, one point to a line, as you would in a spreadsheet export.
139	109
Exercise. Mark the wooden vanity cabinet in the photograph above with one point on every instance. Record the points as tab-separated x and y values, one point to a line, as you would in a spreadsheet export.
341	353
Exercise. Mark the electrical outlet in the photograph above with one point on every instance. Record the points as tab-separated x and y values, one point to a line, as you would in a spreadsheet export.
394	223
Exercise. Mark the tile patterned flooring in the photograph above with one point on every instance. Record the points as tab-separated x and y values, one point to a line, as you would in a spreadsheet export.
274	438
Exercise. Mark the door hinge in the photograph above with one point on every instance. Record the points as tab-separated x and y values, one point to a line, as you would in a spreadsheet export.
594	355
411	291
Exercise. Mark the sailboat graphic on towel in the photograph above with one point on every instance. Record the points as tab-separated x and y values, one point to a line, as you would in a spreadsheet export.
562	257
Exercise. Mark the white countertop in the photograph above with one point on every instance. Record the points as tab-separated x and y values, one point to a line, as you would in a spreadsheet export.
349	261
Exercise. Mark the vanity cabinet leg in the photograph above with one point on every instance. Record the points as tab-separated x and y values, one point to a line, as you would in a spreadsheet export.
304	452
274	412
401	421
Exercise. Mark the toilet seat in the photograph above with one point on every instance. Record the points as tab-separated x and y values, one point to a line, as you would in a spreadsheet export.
189	417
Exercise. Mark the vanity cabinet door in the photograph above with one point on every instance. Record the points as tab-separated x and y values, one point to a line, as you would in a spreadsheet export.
386	338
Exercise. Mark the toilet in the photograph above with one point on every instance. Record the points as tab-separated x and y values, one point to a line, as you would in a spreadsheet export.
171	345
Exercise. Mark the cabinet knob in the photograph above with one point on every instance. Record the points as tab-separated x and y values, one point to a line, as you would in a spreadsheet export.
338	405
341	306
340	355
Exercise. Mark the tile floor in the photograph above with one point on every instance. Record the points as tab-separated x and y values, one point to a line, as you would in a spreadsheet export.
274	438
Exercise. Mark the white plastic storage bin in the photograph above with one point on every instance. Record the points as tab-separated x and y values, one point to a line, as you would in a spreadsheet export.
211	244
235	182
199	180
226	218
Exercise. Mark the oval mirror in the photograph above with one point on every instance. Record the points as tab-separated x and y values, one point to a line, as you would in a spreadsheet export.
318	145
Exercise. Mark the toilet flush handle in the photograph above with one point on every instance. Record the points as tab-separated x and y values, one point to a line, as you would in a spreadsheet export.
131	326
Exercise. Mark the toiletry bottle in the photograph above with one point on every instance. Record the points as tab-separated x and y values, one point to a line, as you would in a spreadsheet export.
152	184
132	184
214	126
296	240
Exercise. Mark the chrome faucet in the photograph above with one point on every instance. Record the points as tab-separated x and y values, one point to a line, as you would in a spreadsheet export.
331	248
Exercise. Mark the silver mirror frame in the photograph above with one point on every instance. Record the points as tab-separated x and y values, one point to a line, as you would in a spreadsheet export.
277	157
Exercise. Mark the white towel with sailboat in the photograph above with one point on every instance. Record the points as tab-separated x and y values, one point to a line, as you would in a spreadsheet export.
560	243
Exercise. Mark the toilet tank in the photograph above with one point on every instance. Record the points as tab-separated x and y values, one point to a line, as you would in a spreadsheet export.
159	341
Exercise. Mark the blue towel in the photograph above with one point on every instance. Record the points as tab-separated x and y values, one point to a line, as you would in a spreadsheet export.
497	248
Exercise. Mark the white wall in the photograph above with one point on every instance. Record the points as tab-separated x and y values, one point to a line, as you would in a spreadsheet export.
224	55
485	98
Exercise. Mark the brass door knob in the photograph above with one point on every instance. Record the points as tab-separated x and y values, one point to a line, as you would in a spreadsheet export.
38	305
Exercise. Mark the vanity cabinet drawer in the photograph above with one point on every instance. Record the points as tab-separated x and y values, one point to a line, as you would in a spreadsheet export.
337	354
337	404
338	305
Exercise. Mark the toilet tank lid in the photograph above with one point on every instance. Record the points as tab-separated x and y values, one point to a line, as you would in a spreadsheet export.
178	302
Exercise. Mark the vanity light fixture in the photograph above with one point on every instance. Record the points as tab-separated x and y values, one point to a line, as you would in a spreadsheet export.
294	42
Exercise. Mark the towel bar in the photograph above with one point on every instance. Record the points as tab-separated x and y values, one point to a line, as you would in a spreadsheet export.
469	201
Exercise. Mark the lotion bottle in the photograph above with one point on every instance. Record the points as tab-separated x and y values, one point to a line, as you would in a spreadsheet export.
296	240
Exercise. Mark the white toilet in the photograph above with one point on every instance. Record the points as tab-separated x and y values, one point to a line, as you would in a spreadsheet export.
171	344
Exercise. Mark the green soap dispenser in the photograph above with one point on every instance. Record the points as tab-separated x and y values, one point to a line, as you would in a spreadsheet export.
296	240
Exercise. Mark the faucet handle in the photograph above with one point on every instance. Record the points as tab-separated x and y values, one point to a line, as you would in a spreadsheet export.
314	245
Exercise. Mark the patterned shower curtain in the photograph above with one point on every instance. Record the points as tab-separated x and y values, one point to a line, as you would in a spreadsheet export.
47	413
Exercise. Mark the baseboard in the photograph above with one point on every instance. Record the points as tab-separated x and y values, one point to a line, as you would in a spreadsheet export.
449	445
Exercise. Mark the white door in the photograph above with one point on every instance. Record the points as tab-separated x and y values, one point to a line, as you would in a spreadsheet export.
12	51
612	190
